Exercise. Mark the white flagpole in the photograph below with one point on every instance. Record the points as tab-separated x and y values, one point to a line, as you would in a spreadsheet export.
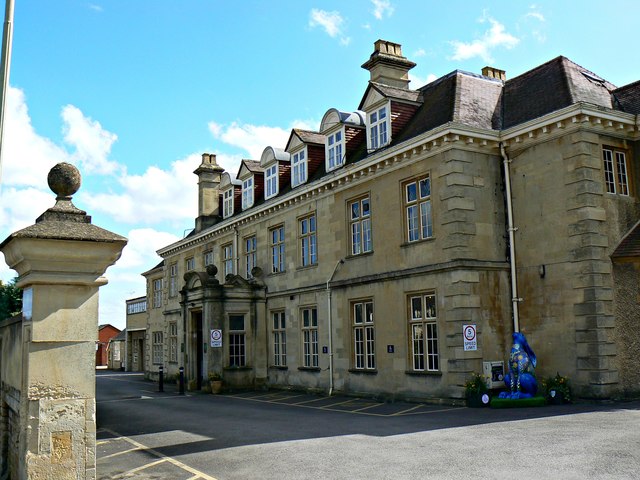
7	37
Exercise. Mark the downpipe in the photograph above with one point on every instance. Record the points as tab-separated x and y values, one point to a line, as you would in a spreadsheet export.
330	322
512	244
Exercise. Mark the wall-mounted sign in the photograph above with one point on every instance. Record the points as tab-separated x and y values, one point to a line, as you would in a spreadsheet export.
216	338
469	337
325	349
390	349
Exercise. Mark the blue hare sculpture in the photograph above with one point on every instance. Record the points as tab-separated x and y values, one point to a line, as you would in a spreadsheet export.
522	362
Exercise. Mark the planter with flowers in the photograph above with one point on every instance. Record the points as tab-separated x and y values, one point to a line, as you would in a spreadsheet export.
557	389
215	380
476	391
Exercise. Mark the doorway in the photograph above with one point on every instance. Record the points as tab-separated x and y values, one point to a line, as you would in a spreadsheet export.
197	346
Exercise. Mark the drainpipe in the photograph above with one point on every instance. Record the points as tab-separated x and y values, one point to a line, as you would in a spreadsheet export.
236	253
512	245
340	262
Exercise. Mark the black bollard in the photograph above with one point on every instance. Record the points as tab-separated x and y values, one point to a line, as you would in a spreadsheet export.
161	380
181	380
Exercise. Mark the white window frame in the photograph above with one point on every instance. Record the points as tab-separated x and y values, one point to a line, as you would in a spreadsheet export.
364	350
616	173
278	322
227	258
418	209
299	169
156	348
157	292
208	258
309	326
276	237
137	307
247	193
190	264
237	342
173	342
423	333
227	202
379	127
307	233
250	252
359	212
271	181
335	150
173	279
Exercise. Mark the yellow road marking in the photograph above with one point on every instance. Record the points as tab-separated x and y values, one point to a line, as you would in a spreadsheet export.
121	453
162	457
143	467
402	412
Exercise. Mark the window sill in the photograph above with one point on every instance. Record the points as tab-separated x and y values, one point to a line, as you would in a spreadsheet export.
416	242
359	255
423	374
275	274
278	367
310	369
237	369
307	267
363	372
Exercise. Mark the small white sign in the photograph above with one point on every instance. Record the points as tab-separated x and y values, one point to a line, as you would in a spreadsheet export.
469	336
216	338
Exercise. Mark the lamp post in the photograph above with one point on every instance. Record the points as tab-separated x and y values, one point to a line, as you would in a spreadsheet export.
7	37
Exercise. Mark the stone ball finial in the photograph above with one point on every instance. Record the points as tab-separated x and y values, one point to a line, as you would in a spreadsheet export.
64	180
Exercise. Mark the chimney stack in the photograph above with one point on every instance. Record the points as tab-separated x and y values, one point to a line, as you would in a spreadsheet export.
493	72
209	175
388	66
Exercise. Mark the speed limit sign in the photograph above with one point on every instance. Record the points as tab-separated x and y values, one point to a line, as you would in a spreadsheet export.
469	336
216	338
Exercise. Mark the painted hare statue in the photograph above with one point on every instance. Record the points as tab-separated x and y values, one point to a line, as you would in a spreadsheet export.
522	362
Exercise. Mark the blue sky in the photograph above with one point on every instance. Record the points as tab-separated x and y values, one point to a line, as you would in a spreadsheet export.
133	91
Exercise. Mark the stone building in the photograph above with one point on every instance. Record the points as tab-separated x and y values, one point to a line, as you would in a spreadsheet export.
351	259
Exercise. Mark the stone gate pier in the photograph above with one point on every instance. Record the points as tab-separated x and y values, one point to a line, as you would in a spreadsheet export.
47	356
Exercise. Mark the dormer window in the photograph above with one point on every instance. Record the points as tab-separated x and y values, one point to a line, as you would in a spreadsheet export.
271	181
247	193
378	128
335	149
227	203
299	167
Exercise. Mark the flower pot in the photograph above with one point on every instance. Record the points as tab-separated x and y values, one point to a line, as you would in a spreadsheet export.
216	386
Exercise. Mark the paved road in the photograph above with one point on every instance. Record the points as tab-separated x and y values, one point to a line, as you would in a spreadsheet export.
145	434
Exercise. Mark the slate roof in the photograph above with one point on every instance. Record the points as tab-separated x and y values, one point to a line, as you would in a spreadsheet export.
549	87
308	136
253	166
629	246
627	98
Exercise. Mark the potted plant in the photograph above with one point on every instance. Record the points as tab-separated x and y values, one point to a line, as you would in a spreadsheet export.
476	391
557	389
215	380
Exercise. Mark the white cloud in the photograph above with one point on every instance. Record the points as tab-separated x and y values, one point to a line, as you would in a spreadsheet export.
253	139
125	279
92	142
417	81
96	8
421	52
26	156
382	7
493	38
332	23
154	197
536	15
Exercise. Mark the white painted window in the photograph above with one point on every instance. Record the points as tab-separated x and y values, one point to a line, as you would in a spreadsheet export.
136	307
279	340
615	171
271	181
227	203
299	168
309	337
156	348
378	128
277	249
247	193
227	258
308	239
364	352
423	333
360	223
208	258
237	341
250	247
191	264
335	150
173	280
173	342
157	293
417	202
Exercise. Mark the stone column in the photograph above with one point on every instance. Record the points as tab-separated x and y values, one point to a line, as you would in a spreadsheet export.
60	260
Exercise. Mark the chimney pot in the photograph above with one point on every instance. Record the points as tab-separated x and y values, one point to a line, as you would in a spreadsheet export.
493	72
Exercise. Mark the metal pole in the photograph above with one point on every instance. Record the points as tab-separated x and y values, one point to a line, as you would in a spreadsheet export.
7	37
161	379
181	387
